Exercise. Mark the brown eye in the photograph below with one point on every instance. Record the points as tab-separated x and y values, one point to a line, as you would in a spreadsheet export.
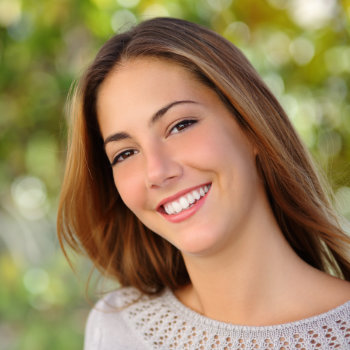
123	155
184	124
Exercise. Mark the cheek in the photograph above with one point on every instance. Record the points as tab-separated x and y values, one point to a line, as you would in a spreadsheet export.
202	147
229	154
130	188
210	146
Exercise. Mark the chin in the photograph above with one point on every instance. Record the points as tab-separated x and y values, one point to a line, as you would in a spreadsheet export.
199	243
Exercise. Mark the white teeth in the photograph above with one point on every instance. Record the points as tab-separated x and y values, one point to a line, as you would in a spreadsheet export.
177	206
196	195
190	198
184	202
169	209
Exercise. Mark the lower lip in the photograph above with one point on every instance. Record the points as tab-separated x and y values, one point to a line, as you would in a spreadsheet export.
185	214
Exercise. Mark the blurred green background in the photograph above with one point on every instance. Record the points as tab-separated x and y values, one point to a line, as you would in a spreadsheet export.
301	48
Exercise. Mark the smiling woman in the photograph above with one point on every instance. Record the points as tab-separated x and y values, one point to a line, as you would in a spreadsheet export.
171	155
186	182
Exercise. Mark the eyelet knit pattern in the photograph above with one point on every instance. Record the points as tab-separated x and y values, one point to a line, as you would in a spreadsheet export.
165	323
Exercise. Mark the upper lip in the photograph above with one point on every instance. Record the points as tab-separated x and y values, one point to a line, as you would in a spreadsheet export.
179	194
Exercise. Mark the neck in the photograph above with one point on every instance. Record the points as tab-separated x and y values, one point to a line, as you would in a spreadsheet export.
249	281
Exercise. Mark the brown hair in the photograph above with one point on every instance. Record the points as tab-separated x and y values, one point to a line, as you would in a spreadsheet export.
92	216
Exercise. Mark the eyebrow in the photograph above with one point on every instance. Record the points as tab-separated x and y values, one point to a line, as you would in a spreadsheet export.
155	117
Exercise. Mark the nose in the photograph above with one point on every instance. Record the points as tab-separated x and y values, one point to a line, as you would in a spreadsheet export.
161	167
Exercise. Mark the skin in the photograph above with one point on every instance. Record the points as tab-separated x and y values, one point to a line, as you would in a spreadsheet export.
232	245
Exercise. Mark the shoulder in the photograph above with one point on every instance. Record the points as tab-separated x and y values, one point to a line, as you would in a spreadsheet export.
107	326
315	292
118	299
331	291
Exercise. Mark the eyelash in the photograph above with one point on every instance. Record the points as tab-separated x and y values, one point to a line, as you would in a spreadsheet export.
186	123
125	154
181	126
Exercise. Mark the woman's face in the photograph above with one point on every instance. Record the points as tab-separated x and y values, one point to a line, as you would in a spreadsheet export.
180	162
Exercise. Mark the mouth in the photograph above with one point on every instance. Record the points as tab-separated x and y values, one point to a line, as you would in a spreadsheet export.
184	201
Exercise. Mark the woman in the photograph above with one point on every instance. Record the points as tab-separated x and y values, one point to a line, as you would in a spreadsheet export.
186	182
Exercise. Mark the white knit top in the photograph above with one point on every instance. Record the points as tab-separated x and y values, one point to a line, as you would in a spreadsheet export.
127	320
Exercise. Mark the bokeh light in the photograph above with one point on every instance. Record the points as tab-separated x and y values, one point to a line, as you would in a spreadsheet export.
10	12
29	194
123	20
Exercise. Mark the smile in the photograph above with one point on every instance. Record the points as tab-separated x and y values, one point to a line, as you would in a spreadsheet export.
186	201
183	205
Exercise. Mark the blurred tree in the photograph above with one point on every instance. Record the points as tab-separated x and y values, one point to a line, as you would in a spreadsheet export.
301	48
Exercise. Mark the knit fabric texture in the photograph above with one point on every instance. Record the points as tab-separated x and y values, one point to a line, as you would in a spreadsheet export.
128	320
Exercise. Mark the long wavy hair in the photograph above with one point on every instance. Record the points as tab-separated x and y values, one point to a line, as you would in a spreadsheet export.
92	217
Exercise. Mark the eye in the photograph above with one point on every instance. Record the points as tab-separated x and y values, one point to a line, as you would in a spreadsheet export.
184	124
123	155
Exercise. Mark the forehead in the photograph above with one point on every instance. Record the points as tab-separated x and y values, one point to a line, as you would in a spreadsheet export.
132	75
141	86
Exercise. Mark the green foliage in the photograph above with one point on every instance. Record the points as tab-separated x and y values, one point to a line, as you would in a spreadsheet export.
301	48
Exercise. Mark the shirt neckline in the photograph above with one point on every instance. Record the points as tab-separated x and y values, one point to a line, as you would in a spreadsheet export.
194	317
